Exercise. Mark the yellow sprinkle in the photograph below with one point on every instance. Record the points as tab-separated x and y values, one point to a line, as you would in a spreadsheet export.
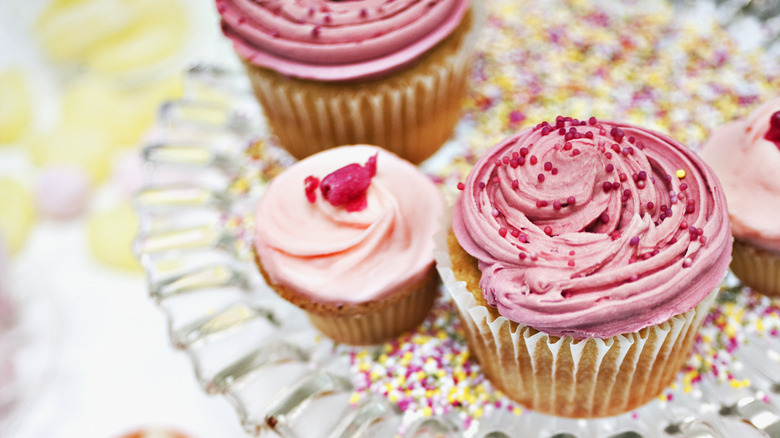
427	411
354	398
680	173
478	413
517	411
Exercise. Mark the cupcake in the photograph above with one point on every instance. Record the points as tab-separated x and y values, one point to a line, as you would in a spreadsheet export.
347	236
745	155
330	73
582	257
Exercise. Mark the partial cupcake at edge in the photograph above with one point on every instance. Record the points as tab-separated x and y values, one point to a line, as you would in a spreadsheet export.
328	73
583	257
745	154
347	236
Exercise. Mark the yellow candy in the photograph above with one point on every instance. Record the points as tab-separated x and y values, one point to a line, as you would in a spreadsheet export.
110	234
125	114
15	106
113	35
680	173
17	214
88	148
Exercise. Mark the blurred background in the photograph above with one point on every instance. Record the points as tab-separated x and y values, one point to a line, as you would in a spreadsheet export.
83	351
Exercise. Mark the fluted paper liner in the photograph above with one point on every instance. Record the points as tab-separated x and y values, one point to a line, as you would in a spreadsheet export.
759	269
564	376
382	323
411	113
369	322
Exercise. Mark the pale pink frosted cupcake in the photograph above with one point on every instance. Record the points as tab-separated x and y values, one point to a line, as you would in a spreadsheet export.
583	257
330	73
347	236
745	154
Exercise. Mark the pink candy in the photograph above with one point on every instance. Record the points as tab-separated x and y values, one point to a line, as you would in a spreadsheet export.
346	186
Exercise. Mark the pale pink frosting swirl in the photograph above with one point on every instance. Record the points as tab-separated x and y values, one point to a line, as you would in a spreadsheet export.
748	166
337	40
332	255
612	261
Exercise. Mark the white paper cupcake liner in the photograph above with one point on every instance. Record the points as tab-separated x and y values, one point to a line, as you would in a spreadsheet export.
565	376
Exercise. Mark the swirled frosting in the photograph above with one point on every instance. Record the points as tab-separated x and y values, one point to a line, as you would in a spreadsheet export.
748	165
331	254
593	229
337	40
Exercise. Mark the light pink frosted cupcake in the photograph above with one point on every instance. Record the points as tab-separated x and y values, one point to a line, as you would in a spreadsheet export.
331	73
347	236
583	257
745	155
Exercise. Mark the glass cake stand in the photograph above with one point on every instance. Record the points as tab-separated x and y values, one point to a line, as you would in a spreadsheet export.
263	355
207	161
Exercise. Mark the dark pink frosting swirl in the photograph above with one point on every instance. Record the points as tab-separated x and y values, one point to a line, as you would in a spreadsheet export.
337	40
590	229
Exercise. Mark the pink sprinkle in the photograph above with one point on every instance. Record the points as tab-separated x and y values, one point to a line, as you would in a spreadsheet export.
575	152
571	253
610	167
554	171
650	206
571	263
548	230
633	278
687	262
502	232
634	241
567	146
623	177
523	238
604	217
515	233
683	187
495	212
642	175
461	186
523	151
557	205
534	160
571	200
615	185
608	155
703	240
515	184
481	185
606	186
541	203
522	256
548	166
540	177
592	121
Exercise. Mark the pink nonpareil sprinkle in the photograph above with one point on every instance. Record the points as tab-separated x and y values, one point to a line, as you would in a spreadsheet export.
347	186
